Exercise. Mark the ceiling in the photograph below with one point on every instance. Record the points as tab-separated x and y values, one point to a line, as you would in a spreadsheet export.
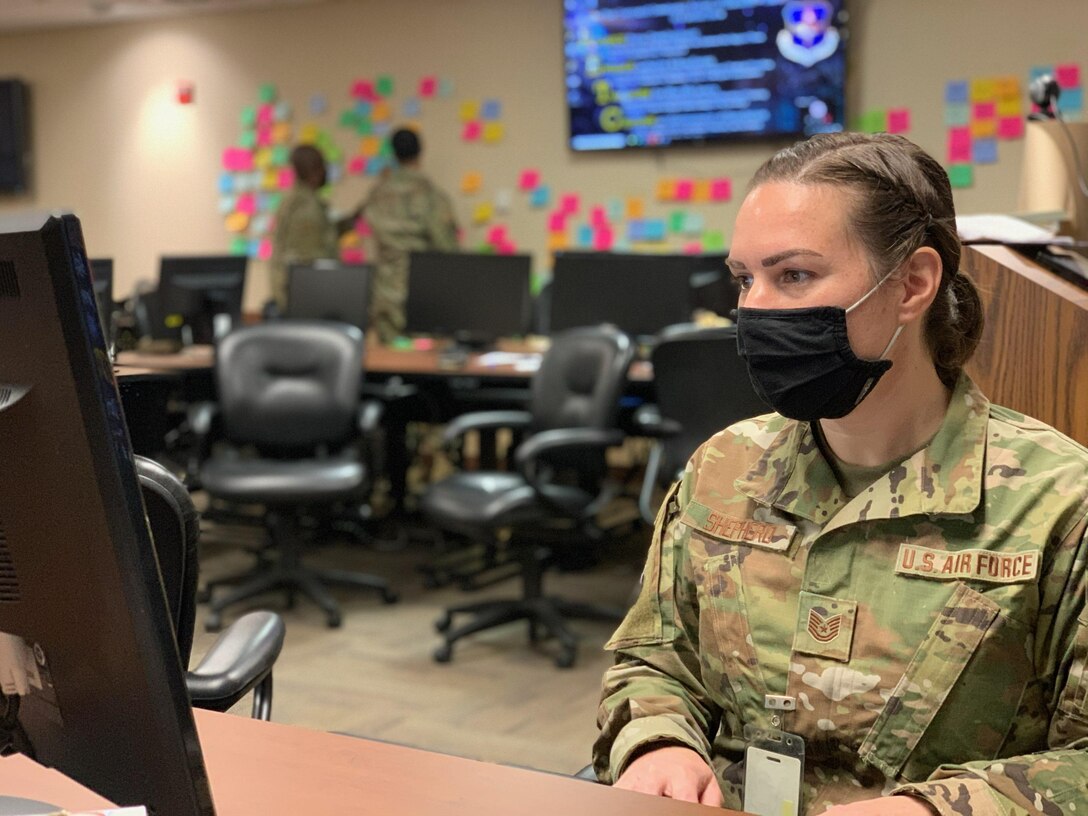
28	14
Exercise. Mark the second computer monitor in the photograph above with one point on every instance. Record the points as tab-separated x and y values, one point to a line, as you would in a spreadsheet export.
200	296
102	275
640	294
329	290
471	297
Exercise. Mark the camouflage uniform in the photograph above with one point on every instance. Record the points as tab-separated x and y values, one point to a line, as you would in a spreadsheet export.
303	233
932	630
407	212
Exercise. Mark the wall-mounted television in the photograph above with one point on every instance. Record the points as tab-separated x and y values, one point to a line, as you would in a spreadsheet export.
650	73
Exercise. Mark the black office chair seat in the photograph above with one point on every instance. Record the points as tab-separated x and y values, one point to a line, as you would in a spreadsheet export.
273	482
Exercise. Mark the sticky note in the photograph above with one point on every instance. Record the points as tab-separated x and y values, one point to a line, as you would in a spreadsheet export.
226	183
1009	107
984	151
602	238
1007	87
597	217
491	109
721	189
469	110
364	125
898	120
352	255
239	245
363	108
384	85
873	121
281	133
470	131
636	208
259	223
957	114
503	198
381	111
269	180
227	204
262	159
237	159
270	202
528	179
362	89
247	204
318	104
1068	75
356	165
280	155
471	182
956	91
635	230
684	189
267	93
348	118
493	132
266	115
445	88
558	240
264	136
653	229
264	249
701	191
247	139
961	175
282	112
676	220
983	128
370	145
427	86
249	116
666	189
540	196
984	110
693	223
584	236
286	176
557	221
506	247
411	107
983	89
482	213
713	241
1010	127
570	203
959	145
693	248
614	208
497	234
1071	100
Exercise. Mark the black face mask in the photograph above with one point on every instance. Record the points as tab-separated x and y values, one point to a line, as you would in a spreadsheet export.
801	363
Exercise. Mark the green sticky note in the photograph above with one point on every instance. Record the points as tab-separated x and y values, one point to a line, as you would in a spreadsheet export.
401	342
677	219
873	121
280	154
486	249
274	200
248	139
239	245
348	118
386	150
713	241
249	116
267	93
384	85
363	126
961	175
333	153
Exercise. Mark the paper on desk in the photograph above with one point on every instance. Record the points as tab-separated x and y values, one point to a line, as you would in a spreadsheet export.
520	362
1004	229
125	811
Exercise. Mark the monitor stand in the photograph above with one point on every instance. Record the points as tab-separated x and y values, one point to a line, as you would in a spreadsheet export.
14	806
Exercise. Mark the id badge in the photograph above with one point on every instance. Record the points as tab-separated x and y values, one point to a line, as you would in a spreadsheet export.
774	762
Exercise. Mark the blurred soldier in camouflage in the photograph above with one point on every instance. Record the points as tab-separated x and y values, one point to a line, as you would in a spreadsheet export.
406	212
889	566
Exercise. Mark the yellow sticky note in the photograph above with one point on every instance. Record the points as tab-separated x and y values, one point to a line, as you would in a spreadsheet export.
666	189
983	128
350	239
262	159
636	208
270	180
493	132
1009	107
469	110
1007	87
983	89
281	133
483	212
237	222
380	112
558	240
308	134
471	182
370	146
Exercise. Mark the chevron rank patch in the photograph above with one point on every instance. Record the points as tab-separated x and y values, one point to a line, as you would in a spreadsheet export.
825	626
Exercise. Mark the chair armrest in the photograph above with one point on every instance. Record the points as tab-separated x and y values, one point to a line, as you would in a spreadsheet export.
239	659
648	421
369	417
562	439
485	420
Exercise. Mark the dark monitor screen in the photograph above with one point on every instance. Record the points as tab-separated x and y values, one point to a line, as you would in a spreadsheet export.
102	276
468	296
713	287
200	296
80	590
640	294
329	290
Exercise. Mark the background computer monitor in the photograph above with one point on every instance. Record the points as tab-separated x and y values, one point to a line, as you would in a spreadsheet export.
329	290
102	275
471	297
199	297
80	578
640	294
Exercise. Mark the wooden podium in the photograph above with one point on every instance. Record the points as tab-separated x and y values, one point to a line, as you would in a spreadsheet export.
1033	356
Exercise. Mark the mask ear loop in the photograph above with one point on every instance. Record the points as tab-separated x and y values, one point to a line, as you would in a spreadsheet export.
869	294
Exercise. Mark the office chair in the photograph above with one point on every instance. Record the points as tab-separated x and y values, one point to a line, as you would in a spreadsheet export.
241	659
559	484
296	440
701	386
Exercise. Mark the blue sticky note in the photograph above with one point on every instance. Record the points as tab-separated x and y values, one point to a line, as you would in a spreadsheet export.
540	196
318	104
636	230
335	172
957	114
1039	70
226	204
584	237
654	229
363	108
226	183
956	91
282	112
491	110
693	223
254	248
984	151
382	128
1071	100
411	107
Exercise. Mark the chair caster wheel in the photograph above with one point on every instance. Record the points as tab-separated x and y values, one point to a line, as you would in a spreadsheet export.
333	621
443	653
390	597
213	623
565	659
443	624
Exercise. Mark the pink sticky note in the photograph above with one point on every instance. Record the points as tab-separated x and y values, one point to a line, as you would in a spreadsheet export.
557	221
959	145
357	165
264	249
362	227
246	204
285	178
570	203
684	189
1068	75
427	86
237	159
602	239
471	131
983	110
1010	127
692	248
266	115
362	89
497	234
264	136
598	217
506	247
529	179
898	120
352	255
721	189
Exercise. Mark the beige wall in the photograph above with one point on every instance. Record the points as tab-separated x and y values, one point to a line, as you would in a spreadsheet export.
141	171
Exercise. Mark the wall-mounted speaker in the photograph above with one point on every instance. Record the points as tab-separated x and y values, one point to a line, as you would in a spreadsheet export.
14	136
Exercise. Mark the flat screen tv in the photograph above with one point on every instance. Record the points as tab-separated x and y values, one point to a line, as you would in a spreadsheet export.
648	74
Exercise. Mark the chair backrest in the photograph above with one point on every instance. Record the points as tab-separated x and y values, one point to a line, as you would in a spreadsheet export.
175	531
581	379
290	385
701	383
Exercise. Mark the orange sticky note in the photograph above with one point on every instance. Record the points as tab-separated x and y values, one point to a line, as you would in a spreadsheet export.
1007	87
370	146
666	189
558	240
983	128
380	112
493	132
701	190
281	133
237	222
636	208
471	182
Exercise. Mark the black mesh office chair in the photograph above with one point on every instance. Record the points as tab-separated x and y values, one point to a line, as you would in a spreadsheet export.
559	484
296	434
241	659
701	386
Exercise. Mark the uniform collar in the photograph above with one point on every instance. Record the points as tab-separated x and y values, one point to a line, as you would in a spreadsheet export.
944	478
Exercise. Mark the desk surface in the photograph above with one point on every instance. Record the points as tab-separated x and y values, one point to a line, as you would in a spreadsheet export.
269	769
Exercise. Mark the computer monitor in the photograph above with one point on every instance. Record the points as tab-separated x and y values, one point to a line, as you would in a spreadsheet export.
473	298
329	290
639	294
711	286
102	276
79	580
199	297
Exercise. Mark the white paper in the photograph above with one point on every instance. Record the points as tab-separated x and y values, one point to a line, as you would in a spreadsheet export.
1004	229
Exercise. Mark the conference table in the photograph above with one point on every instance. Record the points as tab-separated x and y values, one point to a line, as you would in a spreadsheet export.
257	767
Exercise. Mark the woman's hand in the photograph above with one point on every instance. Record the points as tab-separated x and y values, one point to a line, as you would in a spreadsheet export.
675	773
884	806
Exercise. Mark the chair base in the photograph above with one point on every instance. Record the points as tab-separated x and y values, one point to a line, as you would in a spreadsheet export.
547	614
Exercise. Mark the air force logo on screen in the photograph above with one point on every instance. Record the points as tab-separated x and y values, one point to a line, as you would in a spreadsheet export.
808	36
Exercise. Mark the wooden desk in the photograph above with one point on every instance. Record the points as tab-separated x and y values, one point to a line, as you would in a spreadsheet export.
269	769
